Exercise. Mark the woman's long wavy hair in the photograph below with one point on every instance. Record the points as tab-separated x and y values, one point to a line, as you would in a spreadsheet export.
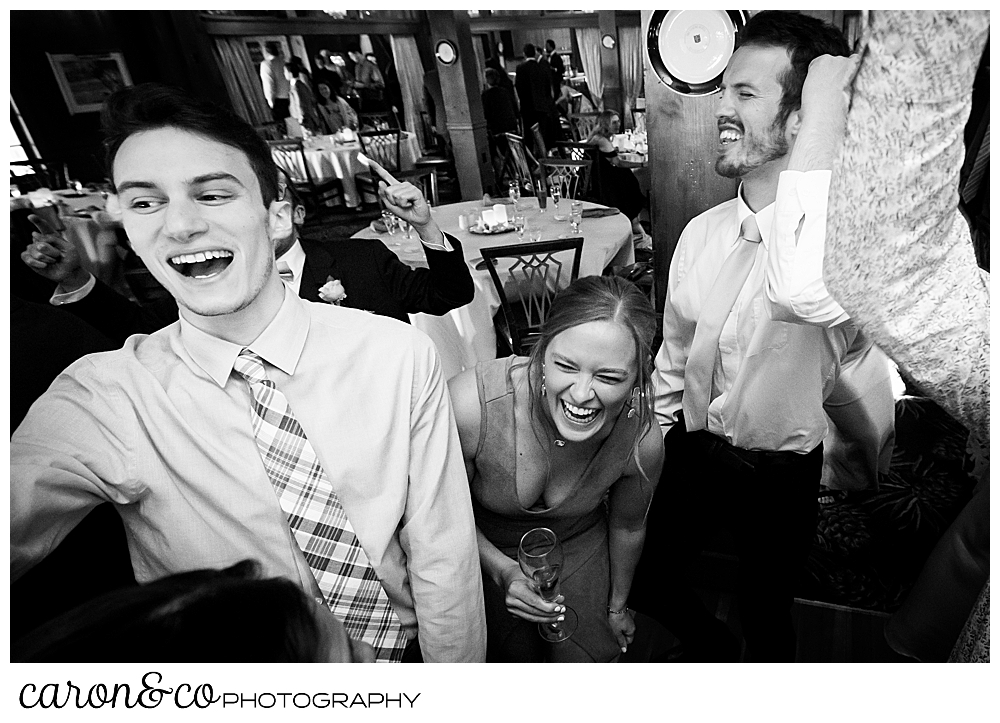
600	298
602	126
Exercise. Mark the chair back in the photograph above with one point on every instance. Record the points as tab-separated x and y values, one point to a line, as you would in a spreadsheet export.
375	121
429	141
575	101
289	155
572	177
582	124
518	164
576	151
382	147
271	131
639	119
528	286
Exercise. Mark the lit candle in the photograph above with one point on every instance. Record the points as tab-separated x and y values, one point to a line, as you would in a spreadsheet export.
488	217
499	214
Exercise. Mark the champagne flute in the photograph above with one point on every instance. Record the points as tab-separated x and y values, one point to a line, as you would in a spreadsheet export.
519	223
541	559
575	215
514	191
556	192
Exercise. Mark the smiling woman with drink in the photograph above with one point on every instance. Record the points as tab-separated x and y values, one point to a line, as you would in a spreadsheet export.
547	439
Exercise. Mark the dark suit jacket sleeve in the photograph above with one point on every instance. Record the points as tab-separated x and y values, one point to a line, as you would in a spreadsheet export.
446	285
117	317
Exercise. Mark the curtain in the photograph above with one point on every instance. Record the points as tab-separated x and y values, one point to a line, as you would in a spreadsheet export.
410	72
242	80
630	61
589	41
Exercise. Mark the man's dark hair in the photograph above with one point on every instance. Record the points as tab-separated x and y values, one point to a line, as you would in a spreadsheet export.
151	106
529	50
293	68
804	37
492	77
550	44
201	616
273	47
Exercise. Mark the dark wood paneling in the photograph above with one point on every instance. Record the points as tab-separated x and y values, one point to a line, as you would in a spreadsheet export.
682	181
158	46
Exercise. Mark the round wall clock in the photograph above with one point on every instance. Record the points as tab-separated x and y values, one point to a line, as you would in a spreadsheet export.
608	41
445	52
689	49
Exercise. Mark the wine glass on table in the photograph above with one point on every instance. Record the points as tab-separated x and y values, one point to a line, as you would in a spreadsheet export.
519	224
514	191
555	190
541	559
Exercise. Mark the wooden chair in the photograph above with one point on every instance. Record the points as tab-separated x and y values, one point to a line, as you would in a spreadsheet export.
271	131
518	164
434	150
572	177
538	272
383	147
583	124
290	157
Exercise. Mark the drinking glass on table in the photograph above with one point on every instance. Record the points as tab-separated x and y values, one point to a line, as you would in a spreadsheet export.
534	233
389	219
514	191
405	225
519	223
575	215
541	559
540	194
556	191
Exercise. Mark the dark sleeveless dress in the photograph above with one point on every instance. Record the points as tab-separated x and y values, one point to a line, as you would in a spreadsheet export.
580	522
618	186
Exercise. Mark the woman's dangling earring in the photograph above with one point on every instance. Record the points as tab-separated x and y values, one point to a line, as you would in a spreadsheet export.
544	392
633	402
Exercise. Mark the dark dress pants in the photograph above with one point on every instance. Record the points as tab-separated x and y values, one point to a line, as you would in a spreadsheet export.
768	501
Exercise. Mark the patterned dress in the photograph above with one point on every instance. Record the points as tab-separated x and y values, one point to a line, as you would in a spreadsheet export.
899	256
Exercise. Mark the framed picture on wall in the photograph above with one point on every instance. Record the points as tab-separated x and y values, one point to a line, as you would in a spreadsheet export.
86	80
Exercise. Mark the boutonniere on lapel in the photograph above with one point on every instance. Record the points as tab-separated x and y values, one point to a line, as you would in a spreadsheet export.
332	292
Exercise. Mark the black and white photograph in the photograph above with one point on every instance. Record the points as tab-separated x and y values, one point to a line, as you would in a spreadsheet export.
500	336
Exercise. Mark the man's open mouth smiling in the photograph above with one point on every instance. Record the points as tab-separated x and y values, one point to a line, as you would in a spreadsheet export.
203	264
729	134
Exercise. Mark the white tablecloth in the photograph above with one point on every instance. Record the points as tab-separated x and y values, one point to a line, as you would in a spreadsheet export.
329	159
465	336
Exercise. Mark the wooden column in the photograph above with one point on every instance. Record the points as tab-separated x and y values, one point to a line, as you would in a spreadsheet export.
682	138
611	72
461	89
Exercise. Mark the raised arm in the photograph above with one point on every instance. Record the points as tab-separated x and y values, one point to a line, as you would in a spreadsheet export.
793	287
899	256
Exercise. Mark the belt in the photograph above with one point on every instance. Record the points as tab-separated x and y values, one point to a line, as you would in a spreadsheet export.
746	460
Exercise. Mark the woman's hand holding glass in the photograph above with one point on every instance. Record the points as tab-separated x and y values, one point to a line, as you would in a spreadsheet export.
523	601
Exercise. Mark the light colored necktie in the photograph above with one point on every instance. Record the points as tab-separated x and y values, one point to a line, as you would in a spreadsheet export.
700	366
285	272
317	519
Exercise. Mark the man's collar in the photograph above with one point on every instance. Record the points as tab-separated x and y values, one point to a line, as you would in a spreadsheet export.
295	257
764	217
280	344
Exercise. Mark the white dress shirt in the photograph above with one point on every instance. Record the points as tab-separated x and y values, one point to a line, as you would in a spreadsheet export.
162	429
772	376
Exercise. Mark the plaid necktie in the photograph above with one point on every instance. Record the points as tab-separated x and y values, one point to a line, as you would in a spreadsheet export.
700	366
317	520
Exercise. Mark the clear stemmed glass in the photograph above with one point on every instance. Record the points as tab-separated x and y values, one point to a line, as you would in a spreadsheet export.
556	192
514	191
541	559
519	223
575	215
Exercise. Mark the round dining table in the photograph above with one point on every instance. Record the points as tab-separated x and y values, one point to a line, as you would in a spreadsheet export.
329	157
466	335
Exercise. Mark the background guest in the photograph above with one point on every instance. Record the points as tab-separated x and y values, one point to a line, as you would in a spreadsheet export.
302	103
334	112
274	81
618	186
368	81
